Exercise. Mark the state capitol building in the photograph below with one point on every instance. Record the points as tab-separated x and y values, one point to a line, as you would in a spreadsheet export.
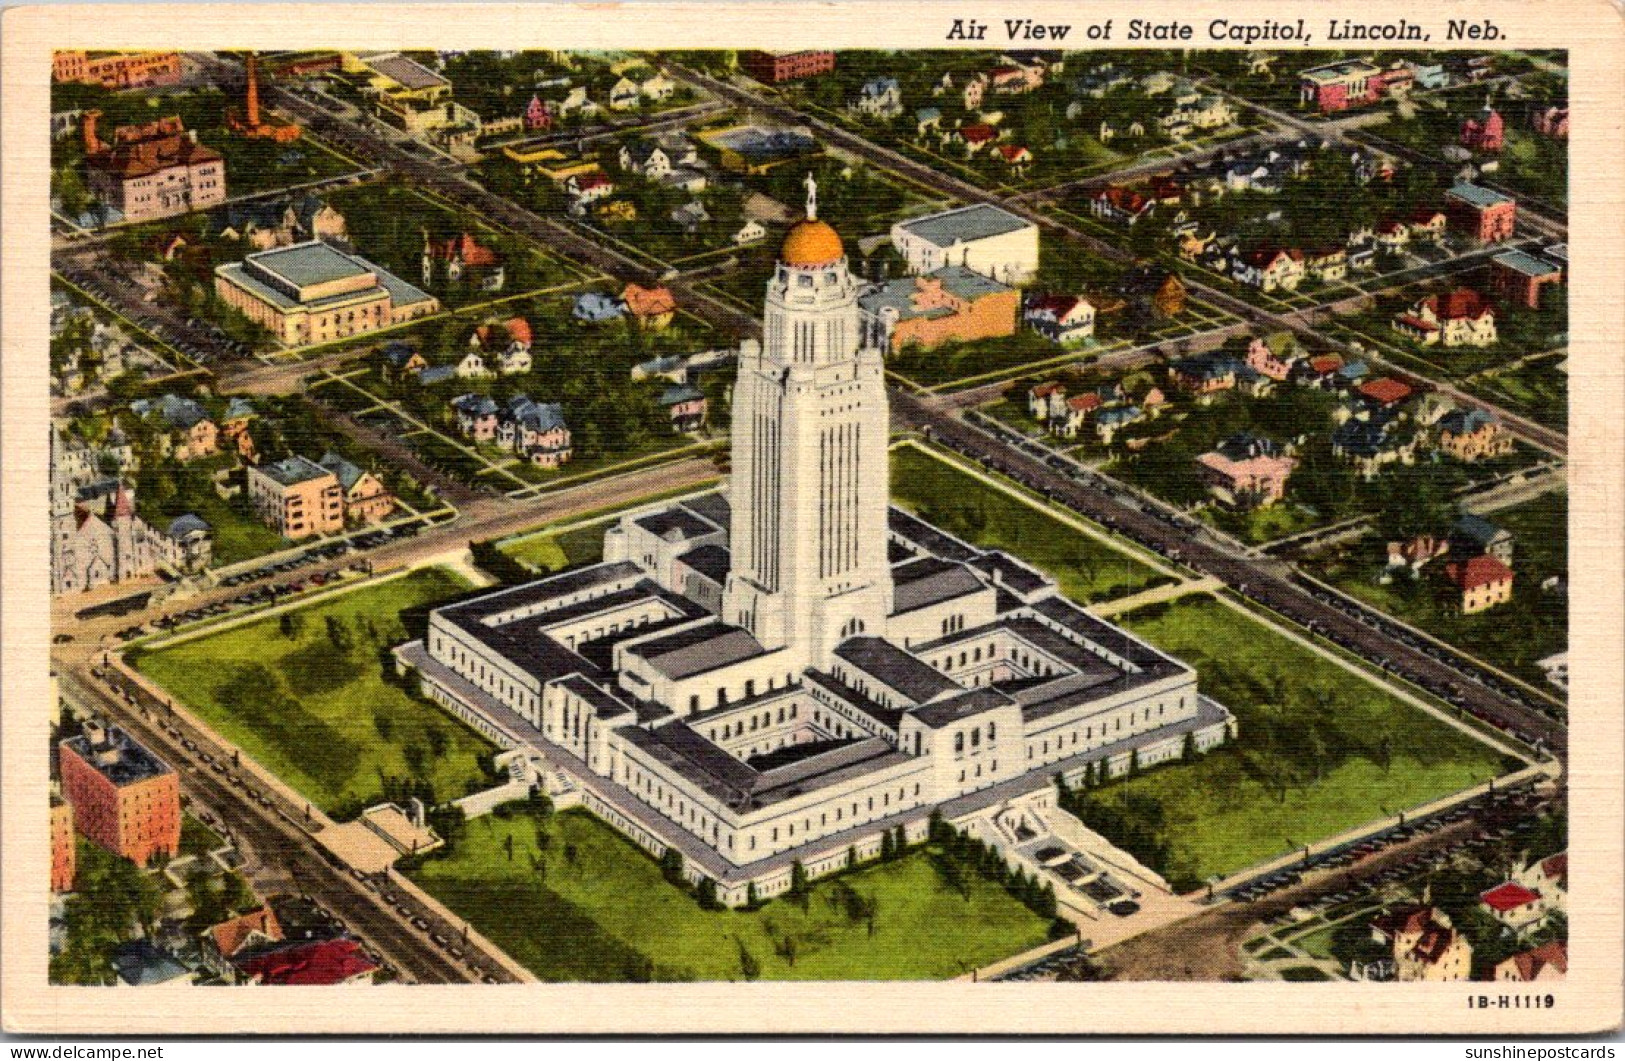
784	671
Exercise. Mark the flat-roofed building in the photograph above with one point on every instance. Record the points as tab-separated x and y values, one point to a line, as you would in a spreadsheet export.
983	238
124	797
312	292
297	497
64	860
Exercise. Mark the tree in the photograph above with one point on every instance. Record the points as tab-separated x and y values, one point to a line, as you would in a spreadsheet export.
749	967
671	866
798	882
851	856
752	899
338	633
706	892
887	850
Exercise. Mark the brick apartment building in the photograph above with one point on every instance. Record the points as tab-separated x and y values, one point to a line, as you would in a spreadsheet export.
124	798
116	70
775	67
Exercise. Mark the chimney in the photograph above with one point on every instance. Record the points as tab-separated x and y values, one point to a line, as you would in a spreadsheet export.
93	146
95	732
252	105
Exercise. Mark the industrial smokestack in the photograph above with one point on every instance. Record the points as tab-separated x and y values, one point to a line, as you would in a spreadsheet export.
251	108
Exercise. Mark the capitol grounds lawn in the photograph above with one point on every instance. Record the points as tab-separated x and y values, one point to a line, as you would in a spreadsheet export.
978	512
1321	751
323	718
587	904
1514	636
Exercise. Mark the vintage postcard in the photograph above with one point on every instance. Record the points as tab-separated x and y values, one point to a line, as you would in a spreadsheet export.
860	517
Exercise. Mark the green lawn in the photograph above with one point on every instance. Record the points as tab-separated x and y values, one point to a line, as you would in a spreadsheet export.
554	550
1321	750
1514	636
1086	568
607	914
322	718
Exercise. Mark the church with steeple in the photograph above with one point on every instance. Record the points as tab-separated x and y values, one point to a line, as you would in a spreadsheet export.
789	669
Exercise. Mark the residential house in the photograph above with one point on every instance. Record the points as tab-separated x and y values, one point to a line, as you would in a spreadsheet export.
142	963
473	366
686	404
476	416
1065	319
1550	877
188	543
1073	413
1426	225
750	232
400	360
1392	236
645	158
1515	906
1385	392
192	434
952	304
690	216
624	95
684	179
508	343
1485	131
1246	471
1518	277
1484	215
1109	421
880	97
436	374
1045	399
1473	435
927	120
1475	535
589	187
534	430
1120	204
1551	121
1204	374
240	936
657	87
1374	440
975	136
1483	581
326	963
651	307
1152	293
1326	264
1548	962
366	499
1270	269
1416	553
1017	157
1462	317
593	306
1252	383
452	260
1274	355
1015	80
538	116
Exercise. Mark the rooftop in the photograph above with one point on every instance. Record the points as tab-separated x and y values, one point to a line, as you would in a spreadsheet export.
967	223
890	665
118	757
698	649
1477	196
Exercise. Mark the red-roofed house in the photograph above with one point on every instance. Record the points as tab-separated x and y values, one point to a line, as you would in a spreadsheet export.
252	931
1064	319
652	307
590	187
323	963
1045	400
1386	392
1515	906
1014	155
451	260
509	342
1484	582
1117	203
1270	269
1074	414
1427	224
1548	962
978	135
1461	318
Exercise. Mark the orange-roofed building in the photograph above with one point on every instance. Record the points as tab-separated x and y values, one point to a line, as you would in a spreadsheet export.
1461	318
652	307
225	942
1484	582
1386	392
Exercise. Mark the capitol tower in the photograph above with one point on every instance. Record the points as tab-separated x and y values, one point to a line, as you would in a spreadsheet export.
810	472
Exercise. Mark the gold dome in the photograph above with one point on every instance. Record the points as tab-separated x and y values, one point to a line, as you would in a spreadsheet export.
811	243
